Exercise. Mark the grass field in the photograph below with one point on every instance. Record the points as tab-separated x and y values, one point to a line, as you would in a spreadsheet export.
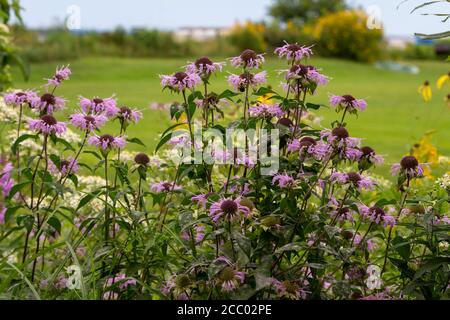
396	116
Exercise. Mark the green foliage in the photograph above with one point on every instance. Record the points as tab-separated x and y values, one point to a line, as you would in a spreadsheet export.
344	34
303	11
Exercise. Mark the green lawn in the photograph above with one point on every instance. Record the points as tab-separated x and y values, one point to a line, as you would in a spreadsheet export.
396	116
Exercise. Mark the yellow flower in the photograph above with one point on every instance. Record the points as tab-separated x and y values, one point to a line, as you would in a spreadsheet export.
182	120
442	80
266	98
425	91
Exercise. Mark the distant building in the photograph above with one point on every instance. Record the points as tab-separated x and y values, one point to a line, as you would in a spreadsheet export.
399	42
200	33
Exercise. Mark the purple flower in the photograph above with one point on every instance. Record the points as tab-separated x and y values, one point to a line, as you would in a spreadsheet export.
201	199
369	155
348	102
107	142
228	210
180	81
122	281
343	214
376	215
305	146
47	103
239	83
248	59
2	214
231	278
294	52
47	124
127	114
87	122
342	144
204	67
306	77
283	180
64	166
61	74
266	111
164	186
288	289
409	166
371	244
98	105
353	178
19	98
6	182
198	234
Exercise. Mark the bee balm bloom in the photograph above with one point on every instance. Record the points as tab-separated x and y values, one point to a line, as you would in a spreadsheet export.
204	67
48	103
248	59
239	83
98	105
180	81
47	124
107	142
19	98
61	74
347	102
409	166
228	210
294	52
87	122
64	167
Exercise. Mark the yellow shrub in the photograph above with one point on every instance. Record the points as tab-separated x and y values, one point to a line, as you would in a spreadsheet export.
249	35
344	34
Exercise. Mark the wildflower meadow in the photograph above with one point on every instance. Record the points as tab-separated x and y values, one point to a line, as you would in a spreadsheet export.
270	204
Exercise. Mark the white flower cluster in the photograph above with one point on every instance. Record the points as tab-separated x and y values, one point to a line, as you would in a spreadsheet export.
444	181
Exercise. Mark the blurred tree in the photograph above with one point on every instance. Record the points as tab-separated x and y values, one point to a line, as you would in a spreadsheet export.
8	53
302	11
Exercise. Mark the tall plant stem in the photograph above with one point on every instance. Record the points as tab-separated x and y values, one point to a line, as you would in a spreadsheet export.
107	217
404	195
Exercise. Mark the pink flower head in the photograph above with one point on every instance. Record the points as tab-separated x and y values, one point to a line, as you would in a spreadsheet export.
409	166
19	98
370	243
369	155
164	186
129	115
288	289
239	83
64	166
266	111
180	81
377	215
98	105
47	124
342	144
60	75
204	67
2	215
305	77
228	210
348	102
200	199
121	280
47	103
248	59
6	182
305	146
283	180
198	234
231	278
294	52
87	122
107	142
343	214
353	178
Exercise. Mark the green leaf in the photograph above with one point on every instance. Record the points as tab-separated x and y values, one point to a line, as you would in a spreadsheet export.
21	139
55	223
94	154
16	188
136	141
88	198
227	94
402	247
163	141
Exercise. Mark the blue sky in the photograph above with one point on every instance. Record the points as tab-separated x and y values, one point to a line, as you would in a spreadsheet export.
171	14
